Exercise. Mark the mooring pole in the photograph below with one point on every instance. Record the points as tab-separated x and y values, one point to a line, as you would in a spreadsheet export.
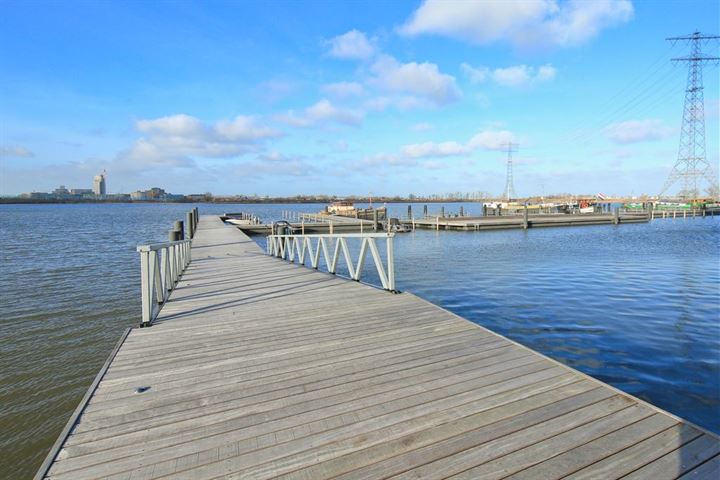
179	228
375	220
189	225
525	217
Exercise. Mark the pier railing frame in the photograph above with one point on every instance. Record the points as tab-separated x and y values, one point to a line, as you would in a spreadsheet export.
161	266
299	247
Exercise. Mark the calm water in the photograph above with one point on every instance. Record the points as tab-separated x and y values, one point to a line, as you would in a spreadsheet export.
637	306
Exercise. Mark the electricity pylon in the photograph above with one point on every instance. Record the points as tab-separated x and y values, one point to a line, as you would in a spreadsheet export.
692	165
509	192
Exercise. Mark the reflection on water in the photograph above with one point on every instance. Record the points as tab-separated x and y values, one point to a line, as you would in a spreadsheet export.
636	305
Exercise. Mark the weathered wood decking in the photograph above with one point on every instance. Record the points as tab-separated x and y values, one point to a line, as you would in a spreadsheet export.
257	368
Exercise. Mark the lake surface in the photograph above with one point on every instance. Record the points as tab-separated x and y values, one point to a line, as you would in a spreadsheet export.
637	306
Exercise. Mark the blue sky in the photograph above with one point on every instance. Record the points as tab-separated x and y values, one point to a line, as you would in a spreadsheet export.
284	98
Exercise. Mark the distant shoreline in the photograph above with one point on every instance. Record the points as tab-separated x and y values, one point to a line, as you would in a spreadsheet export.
11	201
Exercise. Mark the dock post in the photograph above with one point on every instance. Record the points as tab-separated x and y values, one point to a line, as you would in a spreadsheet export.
424	211
390	264
484	210
499	211
331	227
180	229
462	212
525	217
651	207
442	211
409	211
616	220
189	224
375	220
437	223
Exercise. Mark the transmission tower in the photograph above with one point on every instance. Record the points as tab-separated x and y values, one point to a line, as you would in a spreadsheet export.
691	165
509	192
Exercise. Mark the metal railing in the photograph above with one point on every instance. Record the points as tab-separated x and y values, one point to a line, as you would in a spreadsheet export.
161	265
291	247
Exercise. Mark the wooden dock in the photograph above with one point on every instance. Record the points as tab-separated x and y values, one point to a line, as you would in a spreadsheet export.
257	368
314	223
519	221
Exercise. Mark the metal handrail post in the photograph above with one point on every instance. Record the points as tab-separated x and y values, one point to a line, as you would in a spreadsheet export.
391	264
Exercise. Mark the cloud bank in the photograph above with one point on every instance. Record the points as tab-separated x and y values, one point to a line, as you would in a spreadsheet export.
526	23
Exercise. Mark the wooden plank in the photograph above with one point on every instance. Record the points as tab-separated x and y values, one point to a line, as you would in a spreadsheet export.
547	449
679	461
469	450
586	454
709	470
638	455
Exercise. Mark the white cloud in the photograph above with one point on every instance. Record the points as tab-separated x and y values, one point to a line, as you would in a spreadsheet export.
401	102
410	155
343	89
322	112
172	125
15	151
546	72
174	139
513	76
475	74
425	155
430	149
634	131
274	164
419	79
353	45
491	139
525	23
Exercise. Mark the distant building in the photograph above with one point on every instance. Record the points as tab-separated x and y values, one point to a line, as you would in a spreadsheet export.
138	195
36	195
154	194
61	191
81	191
99	184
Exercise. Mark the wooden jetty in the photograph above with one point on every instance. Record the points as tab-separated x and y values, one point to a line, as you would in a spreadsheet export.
523	221
313	224
258	368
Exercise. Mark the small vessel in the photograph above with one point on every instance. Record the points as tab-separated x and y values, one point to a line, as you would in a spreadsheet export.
586	205
344	208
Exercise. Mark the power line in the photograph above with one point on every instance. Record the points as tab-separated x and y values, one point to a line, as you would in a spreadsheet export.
650	73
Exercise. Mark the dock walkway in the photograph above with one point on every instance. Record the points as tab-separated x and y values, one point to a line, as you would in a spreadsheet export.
258	368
